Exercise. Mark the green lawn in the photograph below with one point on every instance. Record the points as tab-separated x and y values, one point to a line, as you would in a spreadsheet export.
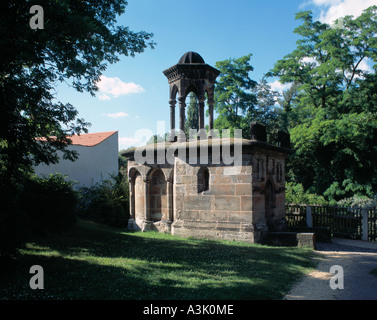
98	262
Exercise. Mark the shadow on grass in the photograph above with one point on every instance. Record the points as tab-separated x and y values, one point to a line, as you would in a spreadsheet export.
95	262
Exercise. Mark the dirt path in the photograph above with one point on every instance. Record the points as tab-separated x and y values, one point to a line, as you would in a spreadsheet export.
357	258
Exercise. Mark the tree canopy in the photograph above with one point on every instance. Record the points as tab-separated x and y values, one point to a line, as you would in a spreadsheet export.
234	96
240	100
78	41
329	108
333	116
192	119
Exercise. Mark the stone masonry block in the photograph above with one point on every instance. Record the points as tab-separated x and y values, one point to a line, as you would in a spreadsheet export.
222	189
189	179
306	240
241	178
197	202
211	215
243	189
246	203
240	216
220	179
231	203
190	214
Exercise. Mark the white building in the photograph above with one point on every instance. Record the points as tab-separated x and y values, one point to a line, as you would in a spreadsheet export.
97	160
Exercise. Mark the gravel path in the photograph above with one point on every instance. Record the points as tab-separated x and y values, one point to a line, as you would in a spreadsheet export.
357	258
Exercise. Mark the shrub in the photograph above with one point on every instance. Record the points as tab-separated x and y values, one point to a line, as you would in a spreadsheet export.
348	189
359	201
106	202
49	204
295	194
33	206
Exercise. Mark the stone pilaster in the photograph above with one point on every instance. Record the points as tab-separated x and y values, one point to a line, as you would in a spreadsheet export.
182	118
172	103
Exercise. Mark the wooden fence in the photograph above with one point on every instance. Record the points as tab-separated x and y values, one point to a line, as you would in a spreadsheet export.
354	223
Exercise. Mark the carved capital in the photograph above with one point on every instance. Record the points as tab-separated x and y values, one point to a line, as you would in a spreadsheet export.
201	98
182	100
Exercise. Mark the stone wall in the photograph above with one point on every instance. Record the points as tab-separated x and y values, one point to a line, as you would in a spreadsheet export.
269	170
215	200
223	210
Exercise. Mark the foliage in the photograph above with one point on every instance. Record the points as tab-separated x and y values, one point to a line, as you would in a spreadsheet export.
192	120
233	94
267	110
122	164
239	100
295	194
79	40
156	138
41	206
49	203
106	202
332	112
359	201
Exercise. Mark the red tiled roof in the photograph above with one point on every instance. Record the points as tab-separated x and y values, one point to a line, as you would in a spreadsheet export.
88	139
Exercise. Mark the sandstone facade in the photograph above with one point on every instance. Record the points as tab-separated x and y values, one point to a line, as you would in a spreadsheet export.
210	200
217	188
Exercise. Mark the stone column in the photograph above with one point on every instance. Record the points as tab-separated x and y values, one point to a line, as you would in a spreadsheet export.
182	118
169	206
172	103
202	133
131	220
210	110
201	111
147	218
211	103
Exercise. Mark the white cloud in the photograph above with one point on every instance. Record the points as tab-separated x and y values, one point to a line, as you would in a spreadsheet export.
126	142
114	87
103	97
335	9
326	2
365	65
278	86
116	115
307	60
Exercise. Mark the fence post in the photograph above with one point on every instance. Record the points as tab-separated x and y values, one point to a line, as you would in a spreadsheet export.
309	218
364	214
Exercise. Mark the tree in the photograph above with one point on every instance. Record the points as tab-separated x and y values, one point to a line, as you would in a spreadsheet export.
157	138
267	110
77	42
234	98
192	119
79	39
287	100
332	128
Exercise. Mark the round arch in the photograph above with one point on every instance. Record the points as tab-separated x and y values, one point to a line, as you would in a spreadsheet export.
158	196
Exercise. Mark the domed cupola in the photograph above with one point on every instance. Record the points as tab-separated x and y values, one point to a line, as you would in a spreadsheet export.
190	74
191	58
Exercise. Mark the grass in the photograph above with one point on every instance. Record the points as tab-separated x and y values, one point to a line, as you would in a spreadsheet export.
99	262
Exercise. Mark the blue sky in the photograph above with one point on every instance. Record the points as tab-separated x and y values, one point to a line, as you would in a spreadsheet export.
134	92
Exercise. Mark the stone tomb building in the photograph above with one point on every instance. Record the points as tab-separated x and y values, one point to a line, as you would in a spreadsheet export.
210	187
